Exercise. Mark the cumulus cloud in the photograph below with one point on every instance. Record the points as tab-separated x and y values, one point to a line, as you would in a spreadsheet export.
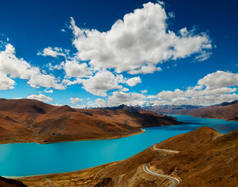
13	67
104	81
40	97
75	69
56	67
131	99
100	83
75	100
146	69
5	82
219	79
133	81
212	89
48	91
53	52
138	42
38	80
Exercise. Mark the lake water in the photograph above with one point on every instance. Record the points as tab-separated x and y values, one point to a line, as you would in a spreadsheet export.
23	159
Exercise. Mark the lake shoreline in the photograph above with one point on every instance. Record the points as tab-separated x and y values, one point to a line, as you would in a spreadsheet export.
92	153
85	139
54	174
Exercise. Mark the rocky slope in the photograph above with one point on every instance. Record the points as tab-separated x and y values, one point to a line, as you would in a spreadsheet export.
24	120
205	158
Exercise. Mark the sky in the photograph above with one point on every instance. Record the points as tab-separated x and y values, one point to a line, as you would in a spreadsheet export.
106	53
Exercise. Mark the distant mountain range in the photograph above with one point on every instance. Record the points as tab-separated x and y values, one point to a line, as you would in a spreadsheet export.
226	110
171	109
25	120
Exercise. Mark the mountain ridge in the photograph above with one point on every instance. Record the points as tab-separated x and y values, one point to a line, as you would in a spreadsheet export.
23	120
225	110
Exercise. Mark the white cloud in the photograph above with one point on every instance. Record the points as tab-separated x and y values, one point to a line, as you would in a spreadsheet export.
146	69
75	69
100	83
40	97
103	81
138	42
212	89
5	82
120	97
124	89
56	67
203	56
38	80
100	103
223	90
48	91
133	81
75	100
15	67
219	79
53	52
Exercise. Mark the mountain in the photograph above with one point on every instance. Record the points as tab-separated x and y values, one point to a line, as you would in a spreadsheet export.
171	109
202	157
24	120
227	111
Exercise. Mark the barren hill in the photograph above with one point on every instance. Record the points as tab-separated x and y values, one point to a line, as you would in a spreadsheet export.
202	158
227	110
24	120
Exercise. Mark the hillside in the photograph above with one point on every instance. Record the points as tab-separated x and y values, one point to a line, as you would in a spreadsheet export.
24	120
205	158
227	110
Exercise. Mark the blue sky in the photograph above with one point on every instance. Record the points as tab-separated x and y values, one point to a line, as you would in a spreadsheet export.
107	53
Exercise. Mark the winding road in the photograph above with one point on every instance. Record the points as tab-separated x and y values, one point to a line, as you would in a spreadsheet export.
175	180
147	170
154	148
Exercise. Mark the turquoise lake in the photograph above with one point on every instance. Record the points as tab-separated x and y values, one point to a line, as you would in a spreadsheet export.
23	159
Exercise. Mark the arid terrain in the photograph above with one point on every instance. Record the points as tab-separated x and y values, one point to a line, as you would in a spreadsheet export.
24	120
227	110
199	158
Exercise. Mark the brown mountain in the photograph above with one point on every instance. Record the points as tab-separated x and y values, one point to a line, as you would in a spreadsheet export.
199	158
227	110
24	120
